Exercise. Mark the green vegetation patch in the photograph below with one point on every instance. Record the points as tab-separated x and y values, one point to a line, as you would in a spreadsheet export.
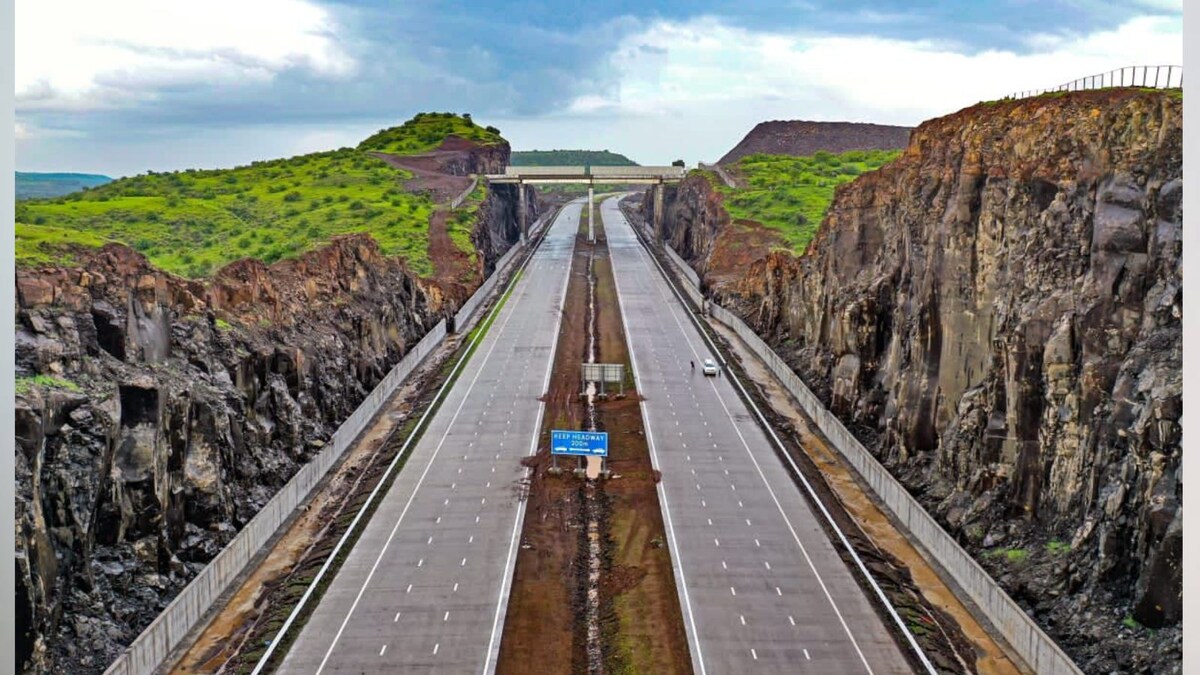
193	222
1012	555
570	158
426	131
1055	546
25	384
791	194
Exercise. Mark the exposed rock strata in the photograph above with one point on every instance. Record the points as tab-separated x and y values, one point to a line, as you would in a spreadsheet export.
997	315
187	405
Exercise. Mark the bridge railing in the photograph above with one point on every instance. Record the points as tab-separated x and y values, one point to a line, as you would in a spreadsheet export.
1155	77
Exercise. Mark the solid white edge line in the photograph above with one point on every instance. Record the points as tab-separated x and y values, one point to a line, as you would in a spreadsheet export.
808	487
676	553
262	661
492	656
416	488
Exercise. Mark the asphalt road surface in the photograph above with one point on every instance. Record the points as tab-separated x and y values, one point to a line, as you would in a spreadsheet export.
761	586
426	587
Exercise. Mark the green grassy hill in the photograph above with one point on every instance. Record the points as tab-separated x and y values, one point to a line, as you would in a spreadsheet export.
791	194
426	131
193	222
32	185
570	158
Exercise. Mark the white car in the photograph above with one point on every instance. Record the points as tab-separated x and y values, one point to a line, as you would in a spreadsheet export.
710	367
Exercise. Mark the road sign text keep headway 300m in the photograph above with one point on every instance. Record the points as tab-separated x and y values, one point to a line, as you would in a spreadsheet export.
585	443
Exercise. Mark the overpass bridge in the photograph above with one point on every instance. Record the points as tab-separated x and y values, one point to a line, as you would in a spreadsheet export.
655	176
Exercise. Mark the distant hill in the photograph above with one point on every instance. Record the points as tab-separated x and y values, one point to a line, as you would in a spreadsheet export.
33	185
194	222
802	139
570	158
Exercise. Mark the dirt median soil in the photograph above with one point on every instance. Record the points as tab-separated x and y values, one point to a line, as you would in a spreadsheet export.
641	623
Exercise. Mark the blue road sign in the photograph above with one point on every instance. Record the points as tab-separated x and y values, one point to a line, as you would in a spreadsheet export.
584	443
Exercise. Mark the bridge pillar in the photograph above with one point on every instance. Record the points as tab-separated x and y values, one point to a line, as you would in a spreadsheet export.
658	212
521	210
591	200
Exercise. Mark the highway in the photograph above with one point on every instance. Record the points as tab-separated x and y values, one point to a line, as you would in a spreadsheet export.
425	589
761	586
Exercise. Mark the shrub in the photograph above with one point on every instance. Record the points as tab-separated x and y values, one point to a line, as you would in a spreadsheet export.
292	196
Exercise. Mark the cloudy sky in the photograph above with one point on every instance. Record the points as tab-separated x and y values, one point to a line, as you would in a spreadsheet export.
124	86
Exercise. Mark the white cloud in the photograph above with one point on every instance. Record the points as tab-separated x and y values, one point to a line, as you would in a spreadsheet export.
703	74
21	132
73	55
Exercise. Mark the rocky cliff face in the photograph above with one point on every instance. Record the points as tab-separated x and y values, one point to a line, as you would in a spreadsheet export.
156	415
801	138
997	315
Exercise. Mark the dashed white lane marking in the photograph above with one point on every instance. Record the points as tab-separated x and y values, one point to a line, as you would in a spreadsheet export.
710	521
438	521
435	647
754	654
420	562
732	590
748	523
476	519
463	563
717	542
409	589
446	502
382	650
397	617
703	504
446	617
430	540
453	486
791	620
740	504
724	566
806	656
471	539
767	564
778	592
756	543
483	500
455	587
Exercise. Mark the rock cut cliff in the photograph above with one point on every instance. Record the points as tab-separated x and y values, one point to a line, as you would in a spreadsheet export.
156	415
997	315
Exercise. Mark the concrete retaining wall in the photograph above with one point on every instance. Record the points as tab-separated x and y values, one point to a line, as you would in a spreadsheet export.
156	643
1019	629
484	292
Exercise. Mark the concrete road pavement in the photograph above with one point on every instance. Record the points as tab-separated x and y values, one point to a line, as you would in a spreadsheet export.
762	588
426	586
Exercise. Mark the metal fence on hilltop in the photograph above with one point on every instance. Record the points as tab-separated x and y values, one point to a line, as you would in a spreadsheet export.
1156	77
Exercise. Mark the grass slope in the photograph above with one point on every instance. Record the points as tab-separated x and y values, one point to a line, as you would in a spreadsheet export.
34	185
791	194
193	222
570	158
426	131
